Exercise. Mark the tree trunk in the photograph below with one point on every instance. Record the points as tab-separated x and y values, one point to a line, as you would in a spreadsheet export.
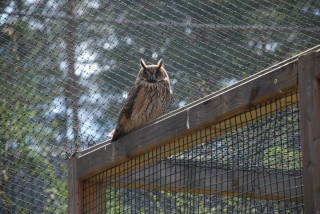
71	88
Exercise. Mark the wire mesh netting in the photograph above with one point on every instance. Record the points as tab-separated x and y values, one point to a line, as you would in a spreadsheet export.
249	163
66	67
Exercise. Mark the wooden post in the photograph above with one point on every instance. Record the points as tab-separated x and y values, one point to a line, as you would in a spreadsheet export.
309	88
75	188
318	64
85	196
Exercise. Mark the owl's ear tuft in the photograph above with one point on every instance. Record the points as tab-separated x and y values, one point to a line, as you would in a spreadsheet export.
160	63
143	64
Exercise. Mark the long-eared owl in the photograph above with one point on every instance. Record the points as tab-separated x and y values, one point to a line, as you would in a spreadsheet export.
148	99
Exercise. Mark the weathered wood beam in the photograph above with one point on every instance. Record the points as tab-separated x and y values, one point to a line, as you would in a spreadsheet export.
230	102
317	71
200	136
82	197
75	189
309	87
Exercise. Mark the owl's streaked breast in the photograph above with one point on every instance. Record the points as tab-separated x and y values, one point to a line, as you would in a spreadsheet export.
151	102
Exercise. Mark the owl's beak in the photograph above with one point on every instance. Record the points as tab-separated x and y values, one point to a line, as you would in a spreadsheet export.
151	79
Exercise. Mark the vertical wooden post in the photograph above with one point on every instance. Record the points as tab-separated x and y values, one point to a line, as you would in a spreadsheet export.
318	64
92	198
309	89
75	188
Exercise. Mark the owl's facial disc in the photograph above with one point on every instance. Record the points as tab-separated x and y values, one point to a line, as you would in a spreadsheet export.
152	75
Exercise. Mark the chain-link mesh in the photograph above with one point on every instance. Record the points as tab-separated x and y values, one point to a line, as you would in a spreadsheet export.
249	163
66	67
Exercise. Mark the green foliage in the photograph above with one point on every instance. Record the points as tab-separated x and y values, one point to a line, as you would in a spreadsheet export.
280	157
57	191
20	141
20	77
179	202
112	200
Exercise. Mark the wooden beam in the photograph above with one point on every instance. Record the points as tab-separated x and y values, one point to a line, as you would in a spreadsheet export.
190	178
233	101
200	136
88	197
309	87
245	96
317	74
75	188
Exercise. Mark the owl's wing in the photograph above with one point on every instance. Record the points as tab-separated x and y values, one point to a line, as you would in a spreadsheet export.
126	112
168	100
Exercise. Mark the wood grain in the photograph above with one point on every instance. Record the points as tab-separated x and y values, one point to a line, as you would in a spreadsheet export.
309	87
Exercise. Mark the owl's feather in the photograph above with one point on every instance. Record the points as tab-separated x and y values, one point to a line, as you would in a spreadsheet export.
148	99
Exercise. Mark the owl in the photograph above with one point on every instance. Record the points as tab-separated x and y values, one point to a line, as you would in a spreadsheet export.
147	100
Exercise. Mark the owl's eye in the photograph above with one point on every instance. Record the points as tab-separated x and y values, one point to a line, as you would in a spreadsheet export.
157	72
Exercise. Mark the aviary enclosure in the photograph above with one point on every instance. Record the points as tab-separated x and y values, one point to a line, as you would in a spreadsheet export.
249	148
233	141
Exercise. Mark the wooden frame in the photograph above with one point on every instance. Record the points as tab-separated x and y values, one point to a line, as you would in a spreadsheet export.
309	87
297	73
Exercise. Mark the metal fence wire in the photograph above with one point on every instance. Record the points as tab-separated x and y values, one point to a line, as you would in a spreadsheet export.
249	163
66	67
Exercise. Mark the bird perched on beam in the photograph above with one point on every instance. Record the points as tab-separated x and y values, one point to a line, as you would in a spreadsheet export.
147	100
